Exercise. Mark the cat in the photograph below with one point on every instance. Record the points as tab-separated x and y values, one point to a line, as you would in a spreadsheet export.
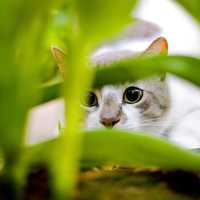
154	105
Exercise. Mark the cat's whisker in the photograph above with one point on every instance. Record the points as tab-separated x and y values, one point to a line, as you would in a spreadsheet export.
153	121
154	124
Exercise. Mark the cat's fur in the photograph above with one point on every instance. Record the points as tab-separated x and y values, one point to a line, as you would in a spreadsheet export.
165	109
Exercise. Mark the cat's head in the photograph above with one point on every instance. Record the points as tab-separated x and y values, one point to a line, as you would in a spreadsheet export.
141	105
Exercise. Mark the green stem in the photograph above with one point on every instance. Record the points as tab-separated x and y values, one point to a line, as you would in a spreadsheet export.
78	80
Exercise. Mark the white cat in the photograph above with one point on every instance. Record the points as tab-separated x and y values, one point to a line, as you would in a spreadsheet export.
156	106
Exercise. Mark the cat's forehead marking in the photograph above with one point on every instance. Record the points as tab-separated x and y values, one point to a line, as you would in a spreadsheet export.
111	93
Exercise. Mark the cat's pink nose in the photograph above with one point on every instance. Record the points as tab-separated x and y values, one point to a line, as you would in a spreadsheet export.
110	122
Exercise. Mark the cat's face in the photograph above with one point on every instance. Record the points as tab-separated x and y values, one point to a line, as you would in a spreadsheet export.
140	106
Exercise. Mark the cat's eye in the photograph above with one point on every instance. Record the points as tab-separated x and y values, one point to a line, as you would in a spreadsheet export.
132	95
90	100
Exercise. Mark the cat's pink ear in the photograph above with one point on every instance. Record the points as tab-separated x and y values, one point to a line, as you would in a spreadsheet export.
60	58
158	46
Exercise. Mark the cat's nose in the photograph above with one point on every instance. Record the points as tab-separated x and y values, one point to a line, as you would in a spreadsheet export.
110	122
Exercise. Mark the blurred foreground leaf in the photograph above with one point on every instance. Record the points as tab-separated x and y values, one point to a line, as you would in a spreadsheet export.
134	69
50	92
23	28
123	148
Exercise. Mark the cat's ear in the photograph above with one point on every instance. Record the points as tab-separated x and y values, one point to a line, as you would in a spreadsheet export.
158	46
60	58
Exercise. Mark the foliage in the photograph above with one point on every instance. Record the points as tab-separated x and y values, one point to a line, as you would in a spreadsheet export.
27	30
132	70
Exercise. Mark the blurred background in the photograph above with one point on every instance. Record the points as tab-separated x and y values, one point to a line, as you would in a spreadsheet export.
166	19
176	25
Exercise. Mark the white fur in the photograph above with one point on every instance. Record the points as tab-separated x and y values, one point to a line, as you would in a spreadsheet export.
184	114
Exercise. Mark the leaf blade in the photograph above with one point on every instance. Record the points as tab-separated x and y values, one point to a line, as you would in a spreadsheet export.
134	69
135	148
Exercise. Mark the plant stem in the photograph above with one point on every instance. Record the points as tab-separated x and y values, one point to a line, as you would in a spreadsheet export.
79	78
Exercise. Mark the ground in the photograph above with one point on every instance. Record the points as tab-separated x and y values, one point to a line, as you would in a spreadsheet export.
119	183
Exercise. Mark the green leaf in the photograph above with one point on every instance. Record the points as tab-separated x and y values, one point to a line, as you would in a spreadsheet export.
22	33
192	6
49	92
23	29
134	69
101	147
100	19
126	148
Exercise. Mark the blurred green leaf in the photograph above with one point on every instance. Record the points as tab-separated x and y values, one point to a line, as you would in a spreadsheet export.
49	92
124	148
134	69
23	29
192	6
100	19
138	68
